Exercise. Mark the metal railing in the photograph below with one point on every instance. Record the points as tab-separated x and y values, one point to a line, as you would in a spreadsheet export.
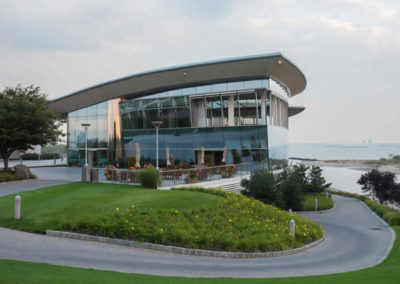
171	177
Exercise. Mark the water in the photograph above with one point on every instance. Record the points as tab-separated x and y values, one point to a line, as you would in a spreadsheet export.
343	151
343	178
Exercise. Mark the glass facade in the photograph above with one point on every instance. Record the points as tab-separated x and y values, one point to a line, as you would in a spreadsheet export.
245	117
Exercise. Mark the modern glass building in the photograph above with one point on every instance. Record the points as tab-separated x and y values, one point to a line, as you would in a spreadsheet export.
239	106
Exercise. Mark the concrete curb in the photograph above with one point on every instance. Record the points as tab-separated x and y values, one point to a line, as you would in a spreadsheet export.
180	250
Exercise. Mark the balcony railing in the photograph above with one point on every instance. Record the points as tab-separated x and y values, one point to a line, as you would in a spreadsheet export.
171	177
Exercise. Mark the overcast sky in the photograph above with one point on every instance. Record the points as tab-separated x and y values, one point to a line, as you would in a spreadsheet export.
349	51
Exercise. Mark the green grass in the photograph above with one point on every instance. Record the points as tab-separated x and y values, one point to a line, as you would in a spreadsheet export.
235	223
193	218
46	208
323	204
26	272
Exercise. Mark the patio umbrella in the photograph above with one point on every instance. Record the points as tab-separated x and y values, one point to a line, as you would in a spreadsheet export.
224	156
137	165
202	155
167	153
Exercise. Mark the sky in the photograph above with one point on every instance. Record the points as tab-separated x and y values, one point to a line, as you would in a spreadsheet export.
349	51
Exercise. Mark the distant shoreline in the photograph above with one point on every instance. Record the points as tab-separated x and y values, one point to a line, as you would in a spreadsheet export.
352	164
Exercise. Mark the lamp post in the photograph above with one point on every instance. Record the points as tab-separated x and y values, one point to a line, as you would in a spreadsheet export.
86	126
157	125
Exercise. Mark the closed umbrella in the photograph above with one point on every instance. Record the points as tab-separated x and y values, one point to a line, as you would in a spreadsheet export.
224	156
202	155
137	165
167	154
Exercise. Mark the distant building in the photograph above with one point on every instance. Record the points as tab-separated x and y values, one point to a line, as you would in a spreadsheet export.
238	104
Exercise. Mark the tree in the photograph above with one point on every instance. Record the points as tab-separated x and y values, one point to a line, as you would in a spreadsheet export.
261	186
380	185
317	182
292	195
25	121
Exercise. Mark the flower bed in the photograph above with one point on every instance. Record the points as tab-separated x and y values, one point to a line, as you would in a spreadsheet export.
236	223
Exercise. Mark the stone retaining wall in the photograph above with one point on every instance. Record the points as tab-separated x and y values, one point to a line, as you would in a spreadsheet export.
180	250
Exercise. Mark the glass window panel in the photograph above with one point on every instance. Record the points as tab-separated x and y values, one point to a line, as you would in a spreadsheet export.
149	104
73	114
232	137
82	112
188	91
235	86
92	133
168	118
137	119
203	89
102	131
149	116
92	110
254	84
181	101
182	117
175	92
214	111
223	87
102	108
166	102
215	138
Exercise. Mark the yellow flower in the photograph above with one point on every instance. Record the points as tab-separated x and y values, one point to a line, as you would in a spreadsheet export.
133	206
230	220
117	209
161	230
126	221
132	228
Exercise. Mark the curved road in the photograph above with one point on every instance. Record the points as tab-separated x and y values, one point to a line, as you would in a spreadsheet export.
354	239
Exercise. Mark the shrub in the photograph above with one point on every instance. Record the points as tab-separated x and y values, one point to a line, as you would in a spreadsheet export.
6	176
316	182
30	156
380	185
49	156
392	217
150	178
261	186
291	192
131	161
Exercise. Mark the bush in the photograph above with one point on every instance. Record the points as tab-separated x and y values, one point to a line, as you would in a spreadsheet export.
131	161
261	186
30	156
291	192
380	185
392	217
49	156
7	176
150	178
316	182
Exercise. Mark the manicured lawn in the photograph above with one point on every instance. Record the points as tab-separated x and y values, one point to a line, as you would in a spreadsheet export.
46	208
188	217
323	204
26	272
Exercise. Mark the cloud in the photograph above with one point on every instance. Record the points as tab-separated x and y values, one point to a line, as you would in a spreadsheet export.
347	49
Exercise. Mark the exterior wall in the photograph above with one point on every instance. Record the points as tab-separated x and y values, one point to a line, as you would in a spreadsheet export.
250	123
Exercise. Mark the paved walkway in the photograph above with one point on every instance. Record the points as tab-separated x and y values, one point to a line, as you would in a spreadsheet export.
26	185
355	239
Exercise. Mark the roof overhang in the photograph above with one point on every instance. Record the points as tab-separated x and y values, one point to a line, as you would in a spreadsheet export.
293	110
138	85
